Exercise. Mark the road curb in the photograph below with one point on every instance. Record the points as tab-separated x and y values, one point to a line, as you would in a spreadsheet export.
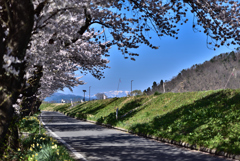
165	140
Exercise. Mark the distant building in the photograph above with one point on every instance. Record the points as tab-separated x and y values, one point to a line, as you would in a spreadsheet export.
101	96
104	97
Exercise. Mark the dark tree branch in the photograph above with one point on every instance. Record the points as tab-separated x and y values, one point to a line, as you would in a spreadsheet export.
40	7
87	23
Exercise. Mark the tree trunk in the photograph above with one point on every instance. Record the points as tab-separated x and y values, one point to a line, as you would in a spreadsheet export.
19	17
30	100
6	114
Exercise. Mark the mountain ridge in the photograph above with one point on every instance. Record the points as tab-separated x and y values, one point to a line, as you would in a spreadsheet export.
217	73
57	97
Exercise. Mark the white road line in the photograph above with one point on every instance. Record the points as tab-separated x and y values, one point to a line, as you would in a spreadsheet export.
77	155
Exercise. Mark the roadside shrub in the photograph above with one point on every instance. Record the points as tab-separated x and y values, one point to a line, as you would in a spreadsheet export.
35	146
157	93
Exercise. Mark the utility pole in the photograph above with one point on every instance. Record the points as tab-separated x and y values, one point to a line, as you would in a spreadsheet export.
118	86
131	87
89	93
84	95
163	88
229	78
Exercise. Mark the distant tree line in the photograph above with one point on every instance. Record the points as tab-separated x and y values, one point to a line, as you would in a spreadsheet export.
211	75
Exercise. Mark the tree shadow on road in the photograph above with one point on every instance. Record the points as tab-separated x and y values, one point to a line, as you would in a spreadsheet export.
120	146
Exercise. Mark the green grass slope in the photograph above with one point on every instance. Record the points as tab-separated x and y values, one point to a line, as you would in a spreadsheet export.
206	118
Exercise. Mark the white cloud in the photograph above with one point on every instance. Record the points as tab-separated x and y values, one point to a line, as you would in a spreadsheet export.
118	93
127	92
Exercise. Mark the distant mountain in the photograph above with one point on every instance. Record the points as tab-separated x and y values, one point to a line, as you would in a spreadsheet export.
222	71
57	97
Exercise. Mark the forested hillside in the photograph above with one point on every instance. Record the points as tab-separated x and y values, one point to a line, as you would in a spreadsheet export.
211	75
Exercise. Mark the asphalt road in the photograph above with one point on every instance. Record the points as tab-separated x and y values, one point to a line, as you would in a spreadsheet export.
97	143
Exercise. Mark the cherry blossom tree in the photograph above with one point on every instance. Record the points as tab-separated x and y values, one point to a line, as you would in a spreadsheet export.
17	20
63	36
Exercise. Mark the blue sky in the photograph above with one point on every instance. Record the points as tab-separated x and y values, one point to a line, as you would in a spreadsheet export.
152	65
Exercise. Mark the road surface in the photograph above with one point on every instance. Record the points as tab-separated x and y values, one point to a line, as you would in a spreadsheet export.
96	143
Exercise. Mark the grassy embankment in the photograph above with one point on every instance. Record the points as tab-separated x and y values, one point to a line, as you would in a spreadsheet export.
206	118
36	146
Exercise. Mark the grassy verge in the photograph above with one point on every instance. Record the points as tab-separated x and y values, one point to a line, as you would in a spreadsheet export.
35	146
206	118
49	106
